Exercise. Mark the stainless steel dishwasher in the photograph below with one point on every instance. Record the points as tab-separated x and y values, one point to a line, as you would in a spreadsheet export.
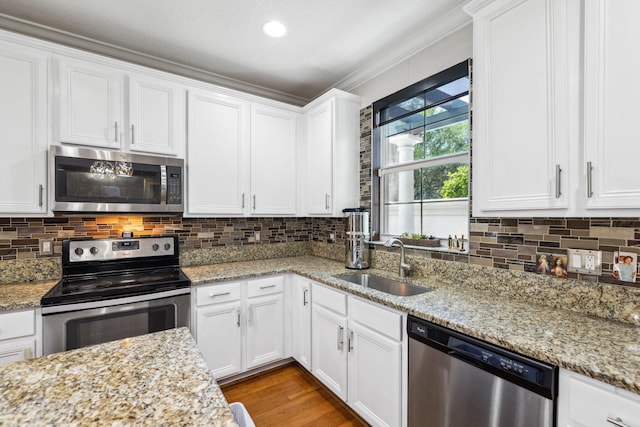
459	381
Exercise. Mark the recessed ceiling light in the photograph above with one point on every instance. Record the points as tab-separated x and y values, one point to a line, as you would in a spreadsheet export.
274	29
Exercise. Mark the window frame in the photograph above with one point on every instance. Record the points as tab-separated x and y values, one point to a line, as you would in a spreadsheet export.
460	70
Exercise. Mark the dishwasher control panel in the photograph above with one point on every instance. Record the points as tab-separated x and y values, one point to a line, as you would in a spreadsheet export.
494	359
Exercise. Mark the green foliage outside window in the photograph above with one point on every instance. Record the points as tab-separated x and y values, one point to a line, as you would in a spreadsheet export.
457	184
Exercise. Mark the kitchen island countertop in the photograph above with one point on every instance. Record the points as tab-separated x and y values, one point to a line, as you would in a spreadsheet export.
157	379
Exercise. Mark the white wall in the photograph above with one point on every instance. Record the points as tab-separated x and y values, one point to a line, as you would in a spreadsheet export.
434	58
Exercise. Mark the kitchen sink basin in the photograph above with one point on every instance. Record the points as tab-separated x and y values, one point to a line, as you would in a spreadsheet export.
382	284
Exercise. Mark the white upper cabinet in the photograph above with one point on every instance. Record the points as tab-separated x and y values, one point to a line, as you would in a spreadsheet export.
217	154
520	107
333	150
96	108
156	115
90	104
241	157
610	107
23	120
273	160
553	107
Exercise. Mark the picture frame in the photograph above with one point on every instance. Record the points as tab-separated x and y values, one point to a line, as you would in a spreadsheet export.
625	266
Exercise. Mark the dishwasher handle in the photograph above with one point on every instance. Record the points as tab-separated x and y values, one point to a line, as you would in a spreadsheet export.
466	358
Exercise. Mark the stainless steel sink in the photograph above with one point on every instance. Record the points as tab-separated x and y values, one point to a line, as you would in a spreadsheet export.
382	284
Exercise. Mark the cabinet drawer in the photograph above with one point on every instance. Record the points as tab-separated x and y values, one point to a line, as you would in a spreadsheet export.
266	286
213	294
333	300
17	324
378	318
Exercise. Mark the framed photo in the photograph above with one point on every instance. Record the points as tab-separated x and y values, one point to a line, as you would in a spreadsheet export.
543	263
559	266
625	266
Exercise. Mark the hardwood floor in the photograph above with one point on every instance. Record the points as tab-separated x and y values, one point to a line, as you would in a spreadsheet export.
290	396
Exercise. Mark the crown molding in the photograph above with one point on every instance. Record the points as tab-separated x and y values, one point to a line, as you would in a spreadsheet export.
75	41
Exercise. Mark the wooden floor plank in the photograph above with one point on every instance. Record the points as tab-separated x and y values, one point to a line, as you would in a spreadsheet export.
290	396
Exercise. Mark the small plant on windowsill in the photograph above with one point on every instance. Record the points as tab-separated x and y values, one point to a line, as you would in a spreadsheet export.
415	239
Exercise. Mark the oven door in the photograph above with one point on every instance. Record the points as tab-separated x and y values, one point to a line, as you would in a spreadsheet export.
84	324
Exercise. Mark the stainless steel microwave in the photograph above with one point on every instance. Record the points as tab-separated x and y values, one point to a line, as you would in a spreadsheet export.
101	181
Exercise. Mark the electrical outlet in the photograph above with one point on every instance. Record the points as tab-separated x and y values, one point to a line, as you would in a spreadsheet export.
332	237
46	246
584	261
256	235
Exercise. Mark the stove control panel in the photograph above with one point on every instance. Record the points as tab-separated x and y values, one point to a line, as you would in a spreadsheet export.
113	249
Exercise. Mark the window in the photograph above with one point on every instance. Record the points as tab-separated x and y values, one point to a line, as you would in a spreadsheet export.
421	153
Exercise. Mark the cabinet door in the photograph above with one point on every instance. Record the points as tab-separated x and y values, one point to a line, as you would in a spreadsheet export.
218	331
329	349
155	116
273	154
610	103
90	104
585	402
320	158
521	124
375	393
23	120
216	156
265	329
301	321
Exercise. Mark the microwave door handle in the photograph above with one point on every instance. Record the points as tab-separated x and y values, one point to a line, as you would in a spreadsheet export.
163	184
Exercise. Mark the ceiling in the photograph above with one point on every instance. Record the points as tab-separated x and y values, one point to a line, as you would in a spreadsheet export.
329	43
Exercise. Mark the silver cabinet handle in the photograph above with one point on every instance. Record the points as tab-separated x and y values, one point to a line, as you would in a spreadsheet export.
238	313
40	194
267	286
350	342
558	182
251	314
221	294
326	201
133	134
254	202
116	138
242	200
304	297
340	337
617	422
589	180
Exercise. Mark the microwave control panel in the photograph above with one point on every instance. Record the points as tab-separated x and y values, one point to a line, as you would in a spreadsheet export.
174	185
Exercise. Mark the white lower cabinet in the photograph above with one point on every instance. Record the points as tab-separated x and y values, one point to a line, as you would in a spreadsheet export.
301	321
265	327
585	402
240	325
20	336
359	353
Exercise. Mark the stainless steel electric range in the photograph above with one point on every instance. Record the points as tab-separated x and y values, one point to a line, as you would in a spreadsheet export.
113	289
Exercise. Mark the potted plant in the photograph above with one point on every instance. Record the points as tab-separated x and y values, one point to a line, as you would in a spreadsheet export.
415	239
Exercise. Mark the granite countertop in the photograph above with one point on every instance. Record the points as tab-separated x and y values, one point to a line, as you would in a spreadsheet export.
602	349
606	350
21	296
157	379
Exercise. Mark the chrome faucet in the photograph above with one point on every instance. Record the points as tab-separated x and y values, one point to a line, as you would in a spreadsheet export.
404	266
